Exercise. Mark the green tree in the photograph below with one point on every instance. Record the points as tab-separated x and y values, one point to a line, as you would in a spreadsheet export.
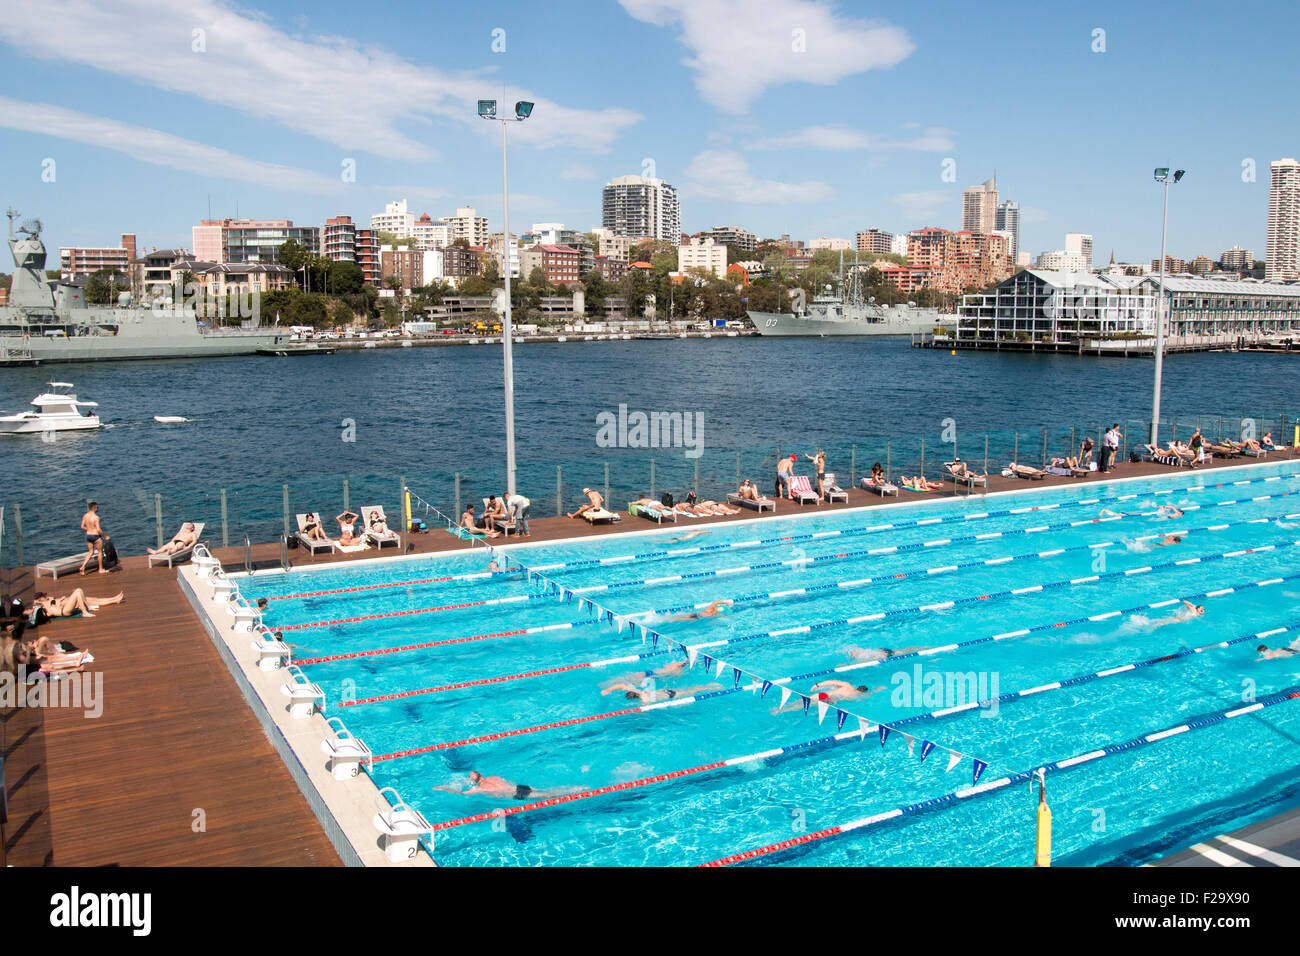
292	254
340	315
474	285
491	272
104	285
345	278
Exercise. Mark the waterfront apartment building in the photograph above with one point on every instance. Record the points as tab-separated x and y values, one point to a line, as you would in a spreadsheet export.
703	254
1007	219
1282	257
495	250
636	206
1065	307
561	264
405	265
1172	266
77	262
876	241
467	224
221	279
430	233
612	246
250	240
156	272
828	242
1237	259
396	219
342	241
1080	244
979	207
1062	260
742	239
610	269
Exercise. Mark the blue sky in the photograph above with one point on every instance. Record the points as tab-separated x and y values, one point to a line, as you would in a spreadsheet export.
261	112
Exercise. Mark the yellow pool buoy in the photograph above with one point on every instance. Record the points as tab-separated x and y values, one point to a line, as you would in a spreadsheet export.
954	351
1043	841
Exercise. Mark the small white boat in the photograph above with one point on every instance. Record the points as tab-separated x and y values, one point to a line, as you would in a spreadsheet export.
170	419
57	410
562	338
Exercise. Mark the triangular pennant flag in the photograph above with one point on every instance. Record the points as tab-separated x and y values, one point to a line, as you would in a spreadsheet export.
620	622
822	707
806	702
735	674
911	742
767	685
785	695
926	747
953	760
884	734
609	615
840	717
721	665
979	769
706	660
691	654
863	727
654	640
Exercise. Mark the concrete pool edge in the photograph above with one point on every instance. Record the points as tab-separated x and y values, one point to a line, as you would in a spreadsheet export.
344	809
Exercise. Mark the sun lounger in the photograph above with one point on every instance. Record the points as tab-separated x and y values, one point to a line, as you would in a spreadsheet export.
311	544
388	537
882	488
504	525
64	565
970	479
761	505
832	489
1025	472
597	516
656	513
176	557
802	490
1151	453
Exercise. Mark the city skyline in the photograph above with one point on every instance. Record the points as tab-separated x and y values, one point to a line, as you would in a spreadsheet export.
136	139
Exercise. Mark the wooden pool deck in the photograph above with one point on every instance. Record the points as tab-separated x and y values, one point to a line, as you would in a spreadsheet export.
177	770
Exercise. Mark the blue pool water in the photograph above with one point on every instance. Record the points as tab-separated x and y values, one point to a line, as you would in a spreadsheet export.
986	555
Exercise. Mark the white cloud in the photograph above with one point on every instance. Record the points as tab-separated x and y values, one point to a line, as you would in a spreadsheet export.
935	139
331	88
739	48
160	149
725	174
923	205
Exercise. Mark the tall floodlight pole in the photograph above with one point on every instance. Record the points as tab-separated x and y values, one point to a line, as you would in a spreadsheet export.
1161	176
487	109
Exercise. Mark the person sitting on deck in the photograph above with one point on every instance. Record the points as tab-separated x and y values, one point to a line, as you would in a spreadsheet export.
1085	453
494	511
959	469
311	527
467	523
76	602
377	524
185	538
594	503
347	527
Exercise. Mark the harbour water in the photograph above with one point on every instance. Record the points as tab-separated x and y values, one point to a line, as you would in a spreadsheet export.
258	423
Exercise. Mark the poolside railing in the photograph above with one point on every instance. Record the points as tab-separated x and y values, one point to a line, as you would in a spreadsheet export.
136	517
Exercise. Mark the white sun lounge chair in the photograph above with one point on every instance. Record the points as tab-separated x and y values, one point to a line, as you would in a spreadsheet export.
311	544
66	565
655	513
387	537
882	488
969	479
598	516
176	557
802	490
832	488
761	505
504	525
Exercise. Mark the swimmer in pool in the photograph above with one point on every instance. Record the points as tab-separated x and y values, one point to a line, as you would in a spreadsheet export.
862	654
505	790
675	669
1186	613
690	534
713	610
831	692
654	695
1267	653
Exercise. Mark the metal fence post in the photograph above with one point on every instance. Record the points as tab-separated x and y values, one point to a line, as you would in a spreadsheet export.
457	494
401	509
559	491
1015	446
346	495
1044	447
606	484
853	465
285	509
738	470
18	533
887	461
157	516
922	473
225	527
652	477
986	459
697	478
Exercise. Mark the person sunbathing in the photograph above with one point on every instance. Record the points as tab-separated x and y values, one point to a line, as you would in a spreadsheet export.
1069	465
654	695
712	508
960	469
185	538
76	602
748	491
594	503
311	527
377	523
1266	443
467	522
347	528
919	483
1223	448
63	663
1024	471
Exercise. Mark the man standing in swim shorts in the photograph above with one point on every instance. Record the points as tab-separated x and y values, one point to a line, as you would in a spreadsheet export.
95	536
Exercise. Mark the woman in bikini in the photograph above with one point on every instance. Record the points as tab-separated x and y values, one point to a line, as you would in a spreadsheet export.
72	603
377	524
311	527
347	526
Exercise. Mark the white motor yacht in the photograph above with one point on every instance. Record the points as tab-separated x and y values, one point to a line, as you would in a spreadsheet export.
57	410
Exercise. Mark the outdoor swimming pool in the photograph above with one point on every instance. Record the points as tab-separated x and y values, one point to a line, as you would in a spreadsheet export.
442	668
